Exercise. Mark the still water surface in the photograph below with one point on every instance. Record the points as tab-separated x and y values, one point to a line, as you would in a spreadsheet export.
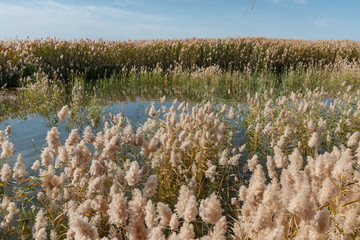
26	134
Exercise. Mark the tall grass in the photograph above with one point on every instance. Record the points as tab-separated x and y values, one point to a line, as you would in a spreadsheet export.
40	95
98	59
279	160
185	174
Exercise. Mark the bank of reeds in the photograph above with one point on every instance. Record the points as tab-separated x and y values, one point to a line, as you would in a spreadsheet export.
279	167
98	59
40	95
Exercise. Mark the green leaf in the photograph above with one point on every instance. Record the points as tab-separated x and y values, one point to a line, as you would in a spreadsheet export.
37	151
352	183
351	202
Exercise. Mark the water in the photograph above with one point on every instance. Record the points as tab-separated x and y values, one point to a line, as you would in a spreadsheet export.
31	132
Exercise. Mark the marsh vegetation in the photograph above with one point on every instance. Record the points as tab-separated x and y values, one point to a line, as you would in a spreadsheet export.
241	139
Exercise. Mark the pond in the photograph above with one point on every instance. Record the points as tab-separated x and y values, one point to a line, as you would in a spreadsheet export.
31	111
28	133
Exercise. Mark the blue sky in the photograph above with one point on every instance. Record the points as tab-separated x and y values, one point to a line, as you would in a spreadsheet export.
153	19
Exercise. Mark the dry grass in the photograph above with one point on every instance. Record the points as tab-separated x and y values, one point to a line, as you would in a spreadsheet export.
96	59
185	174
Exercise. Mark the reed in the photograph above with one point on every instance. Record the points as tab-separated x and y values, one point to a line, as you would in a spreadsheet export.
190	172
98	59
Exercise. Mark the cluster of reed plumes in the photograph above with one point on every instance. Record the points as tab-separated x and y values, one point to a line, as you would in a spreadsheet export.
62	58
200	171
309	121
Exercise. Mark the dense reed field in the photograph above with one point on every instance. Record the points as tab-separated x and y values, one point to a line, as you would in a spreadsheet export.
282	167
40	95
266	145
46	71
97	59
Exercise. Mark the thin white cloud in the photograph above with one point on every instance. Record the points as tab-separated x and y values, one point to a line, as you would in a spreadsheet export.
321	23
49	18
286	2
276	1
96	10
125	2
300	1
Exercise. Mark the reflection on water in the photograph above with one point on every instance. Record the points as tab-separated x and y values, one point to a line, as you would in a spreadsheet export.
26	133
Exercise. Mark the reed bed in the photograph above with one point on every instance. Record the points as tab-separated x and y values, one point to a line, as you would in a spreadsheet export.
97	59
277	167
40	95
